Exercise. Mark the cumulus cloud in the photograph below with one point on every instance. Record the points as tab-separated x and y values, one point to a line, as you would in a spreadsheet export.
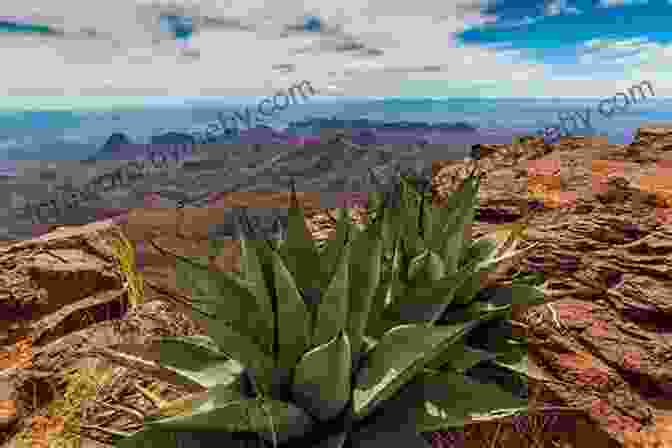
256	47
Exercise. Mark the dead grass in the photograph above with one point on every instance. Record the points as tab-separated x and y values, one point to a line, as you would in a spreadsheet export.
60	427
125	254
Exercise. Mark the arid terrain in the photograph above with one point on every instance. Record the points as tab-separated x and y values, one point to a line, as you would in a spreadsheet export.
602	345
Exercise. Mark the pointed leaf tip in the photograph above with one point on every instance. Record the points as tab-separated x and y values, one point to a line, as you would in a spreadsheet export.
322	378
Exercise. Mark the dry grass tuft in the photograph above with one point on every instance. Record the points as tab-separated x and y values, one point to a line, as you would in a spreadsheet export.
125	254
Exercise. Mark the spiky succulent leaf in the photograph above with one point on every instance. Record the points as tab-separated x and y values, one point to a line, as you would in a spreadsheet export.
450	400
332	312
252	257
401	353
222	413
424	301
198	340
149	437
322	378
417	264
243	349
298	251
480	250
459	358
450	239
478	278
195	360
231	298
431	269
377	325
364	275
331	254
411	219
294	320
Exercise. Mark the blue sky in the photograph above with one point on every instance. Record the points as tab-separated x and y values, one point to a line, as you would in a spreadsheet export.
98	54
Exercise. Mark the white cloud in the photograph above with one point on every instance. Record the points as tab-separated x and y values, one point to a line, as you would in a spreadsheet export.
557	7
236	62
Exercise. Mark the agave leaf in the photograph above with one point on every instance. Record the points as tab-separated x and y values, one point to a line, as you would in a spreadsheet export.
298	251
451	400
445	215
480	250
334	246
429	217
244	415
433	269
241	348
199	340
364	275
230	298
148	437
451	238
401	353
481	310
197	362
460	357
521	365
377	325
417	264
332	312
391	227
516	294
294	321
410	219
251	266
425	301
322	378
472	284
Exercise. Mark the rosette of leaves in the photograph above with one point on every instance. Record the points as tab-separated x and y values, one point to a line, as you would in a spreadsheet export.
288	359
433	271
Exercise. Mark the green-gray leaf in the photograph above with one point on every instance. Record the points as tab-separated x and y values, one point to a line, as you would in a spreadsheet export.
298	251
251	264
219	413
322	378
294	322
232	299
242	349
332	313
149	438
451	400
197	362
364	274
331	254
459	358
402	352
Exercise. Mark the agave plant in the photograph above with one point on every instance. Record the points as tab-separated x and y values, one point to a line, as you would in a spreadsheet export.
289	358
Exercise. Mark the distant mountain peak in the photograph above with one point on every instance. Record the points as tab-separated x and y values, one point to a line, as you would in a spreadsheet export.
112	146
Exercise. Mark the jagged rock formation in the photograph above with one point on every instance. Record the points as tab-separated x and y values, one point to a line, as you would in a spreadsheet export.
112	147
